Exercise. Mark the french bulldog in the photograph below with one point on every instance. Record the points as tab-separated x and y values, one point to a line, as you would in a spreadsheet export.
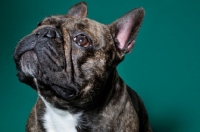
70	60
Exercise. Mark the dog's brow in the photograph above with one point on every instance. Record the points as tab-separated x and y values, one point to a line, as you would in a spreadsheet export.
81	25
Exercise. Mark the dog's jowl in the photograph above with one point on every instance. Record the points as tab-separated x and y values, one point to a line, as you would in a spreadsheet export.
70	61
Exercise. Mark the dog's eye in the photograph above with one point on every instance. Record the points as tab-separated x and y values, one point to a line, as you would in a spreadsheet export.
39	24
82	40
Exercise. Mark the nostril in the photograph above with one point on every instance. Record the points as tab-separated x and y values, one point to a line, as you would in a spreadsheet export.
50	34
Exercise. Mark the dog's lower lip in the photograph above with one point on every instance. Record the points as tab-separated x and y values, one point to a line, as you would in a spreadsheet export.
18	57
29	60
30	52
27	66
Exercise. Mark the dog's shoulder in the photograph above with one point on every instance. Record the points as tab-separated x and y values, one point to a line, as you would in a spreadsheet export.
140	110
134	98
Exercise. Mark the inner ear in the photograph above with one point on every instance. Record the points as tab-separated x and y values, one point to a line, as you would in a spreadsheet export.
78	11
125	29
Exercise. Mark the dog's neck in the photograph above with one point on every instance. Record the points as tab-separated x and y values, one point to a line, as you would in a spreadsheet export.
60	120
108	91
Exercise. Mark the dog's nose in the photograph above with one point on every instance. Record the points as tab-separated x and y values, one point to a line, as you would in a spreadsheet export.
49	32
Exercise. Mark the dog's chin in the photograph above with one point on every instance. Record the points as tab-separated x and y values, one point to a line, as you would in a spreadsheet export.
30	74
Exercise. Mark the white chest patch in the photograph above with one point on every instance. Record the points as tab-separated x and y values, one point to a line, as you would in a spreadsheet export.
56	120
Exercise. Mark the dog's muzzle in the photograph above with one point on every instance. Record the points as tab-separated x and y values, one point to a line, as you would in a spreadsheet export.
41	55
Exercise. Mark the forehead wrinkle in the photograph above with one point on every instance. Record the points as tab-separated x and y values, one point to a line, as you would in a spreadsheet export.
91	27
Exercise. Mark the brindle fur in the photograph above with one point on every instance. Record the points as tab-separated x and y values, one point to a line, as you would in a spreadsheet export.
89	75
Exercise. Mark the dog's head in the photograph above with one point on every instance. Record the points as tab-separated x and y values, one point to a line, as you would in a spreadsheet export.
70	57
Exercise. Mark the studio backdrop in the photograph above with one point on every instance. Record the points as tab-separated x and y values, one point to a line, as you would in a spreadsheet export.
163	68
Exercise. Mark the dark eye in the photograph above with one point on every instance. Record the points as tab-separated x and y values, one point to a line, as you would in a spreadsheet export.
82	40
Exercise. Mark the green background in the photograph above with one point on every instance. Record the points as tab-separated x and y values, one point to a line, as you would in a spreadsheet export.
164	66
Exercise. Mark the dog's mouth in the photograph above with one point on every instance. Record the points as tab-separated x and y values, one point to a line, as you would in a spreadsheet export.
47	80
43	60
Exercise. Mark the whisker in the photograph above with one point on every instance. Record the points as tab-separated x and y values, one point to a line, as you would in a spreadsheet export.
36	84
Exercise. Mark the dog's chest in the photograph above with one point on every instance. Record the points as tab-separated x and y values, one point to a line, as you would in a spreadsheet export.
56	120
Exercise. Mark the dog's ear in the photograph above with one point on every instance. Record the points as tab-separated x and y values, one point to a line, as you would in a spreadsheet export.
125	29
79	10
